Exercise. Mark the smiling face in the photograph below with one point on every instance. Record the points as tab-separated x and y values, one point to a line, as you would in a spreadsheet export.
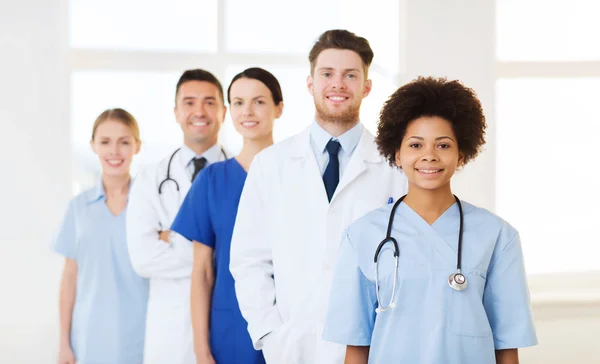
115	145
429	153
200	111
252	108
338	85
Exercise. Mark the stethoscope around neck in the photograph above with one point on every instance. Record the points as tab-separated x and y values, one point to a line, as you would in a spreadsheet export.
456	281
168	176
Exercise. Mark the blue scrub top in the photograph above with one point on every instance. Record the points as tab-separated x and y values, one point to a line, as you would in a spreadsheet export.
207	216
109	316
431	323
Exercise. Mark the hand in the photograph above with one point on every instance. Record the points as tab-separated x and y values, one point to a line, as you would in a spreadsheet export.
205	359
65	355
164	236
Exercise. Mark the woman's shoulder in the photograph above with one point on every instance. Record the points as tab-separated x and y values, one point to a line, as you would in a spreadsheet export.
88	195
373	221
486	220
218	169
216	173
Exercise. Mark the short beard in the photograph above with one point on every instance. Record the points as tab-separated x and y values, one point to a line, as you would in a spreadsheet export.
347	117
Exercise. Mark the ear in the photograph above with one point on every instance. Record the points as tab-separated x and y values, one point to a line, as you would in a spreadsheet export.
310	84
224	114
398	161
461	161
138	147
93	146
278	110
367	89
175	113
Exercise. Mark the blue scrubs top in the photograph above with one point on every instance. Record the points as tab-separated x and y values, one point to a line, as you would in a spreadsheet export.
109	316
207	216
431	323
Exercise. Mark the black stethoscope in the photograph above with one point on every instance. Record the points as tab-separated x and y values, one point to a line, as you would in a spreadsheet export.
168	177
456	281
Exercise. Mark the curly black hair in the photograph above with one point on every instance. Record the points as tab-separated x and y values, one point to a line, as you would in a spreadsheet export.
429	96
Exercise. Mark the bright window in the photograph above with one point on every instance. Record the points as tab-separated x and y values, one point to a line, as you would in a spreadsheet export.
548	181
293	26
546	130
133	25
548	30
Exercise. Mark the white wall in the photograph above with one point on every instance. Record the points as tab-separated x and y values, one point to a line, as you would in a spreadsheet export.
35	182
456	39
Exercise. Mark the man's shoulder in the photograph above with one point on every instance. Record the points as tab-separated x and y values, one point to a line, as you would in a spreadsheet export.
282	149
153	172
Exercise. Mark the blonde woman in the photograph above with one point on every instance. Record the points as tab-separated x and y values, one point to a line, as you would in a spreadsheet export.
102	300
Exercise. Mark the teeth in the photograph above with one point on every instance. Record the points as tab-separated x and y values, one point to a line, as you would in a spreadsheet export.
337	98
429	170
200	123
249	123
114	162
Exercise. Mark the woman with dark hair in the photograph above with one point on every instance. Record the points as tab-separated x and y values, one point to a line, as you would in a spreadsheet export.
207	217
431	278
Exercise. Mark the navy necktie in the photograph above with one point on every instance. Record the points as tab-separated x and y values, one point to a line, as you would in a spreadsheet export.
331	177
199	164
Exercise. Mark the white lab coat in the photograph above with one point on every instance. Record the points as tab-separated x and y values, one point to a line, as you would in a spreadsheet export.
286	227
169	335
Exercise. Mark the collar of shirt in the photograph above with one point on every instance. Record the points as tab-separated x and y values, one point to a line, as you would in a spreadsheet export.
349	140
213	154
319	138
97	193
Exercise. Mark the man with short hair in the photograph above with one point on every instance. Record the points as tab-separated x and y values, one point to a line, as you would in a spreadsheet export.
156	195
300	194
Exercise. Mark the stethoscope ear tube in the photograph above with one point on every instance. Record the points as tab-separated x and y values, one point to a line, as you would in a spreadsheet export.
396	249
168	177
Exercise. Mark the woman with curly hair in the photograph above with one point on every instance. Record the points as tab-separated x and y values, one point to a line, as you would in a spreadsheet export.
431	279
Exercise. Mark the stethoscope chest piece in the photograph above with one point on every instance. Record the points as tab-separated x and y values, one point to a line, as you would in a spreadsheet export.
457	281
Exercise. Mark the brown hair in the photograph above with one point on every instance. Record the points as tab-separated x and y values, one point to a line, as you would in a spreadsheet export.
121	116
261	75
342	39
199	75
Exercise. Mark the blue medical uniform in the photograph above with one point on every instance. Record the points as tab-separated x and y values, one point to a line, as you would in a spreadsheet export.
109	315
431	323
207	216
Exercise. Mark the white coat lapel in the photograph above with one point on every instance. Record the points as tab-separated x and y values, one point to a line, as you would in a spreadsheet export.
364	154
303	159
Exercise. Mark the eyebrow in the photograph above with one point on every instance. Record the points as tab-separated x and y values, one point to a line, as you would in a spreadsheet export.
194	98
108	138
254	98
333	69
438	138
